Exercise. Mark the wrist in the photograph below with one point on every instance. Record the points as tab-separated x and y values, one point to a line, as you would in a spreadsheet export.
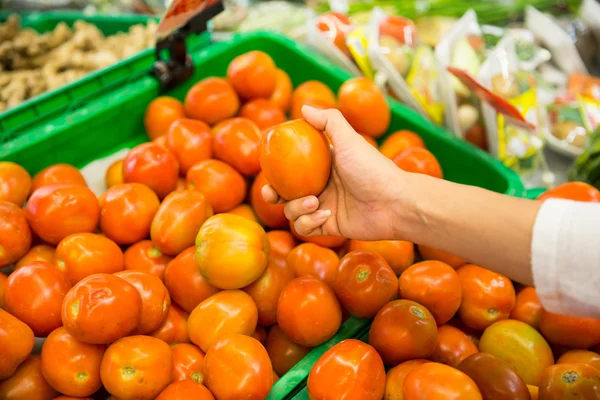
411	217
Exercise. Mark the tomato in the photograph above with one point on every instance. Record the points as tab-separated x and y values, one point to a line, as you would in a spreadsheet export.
570	382
579	357
231	251
429	253
578	191
185	390
152	165
136	367
395	378
27	383
222	314
174	327
370	140
571	332
16	183
238	367
310	259
222	185
349	370
127	211
311	93
84	254
3	279
41	252
211	100
72	398
473	334
439	381
14	233
283	352
281	243
435	285
145	257
364	283
519	345
162	141
114	174
477	136
282	94
70	366
453	346
252	75
271	215
16	340
34	294
527	307
308	311
263	112
399	141
190	141
58	174
275	377
365	107
236	141
101	309
420	161
398	254
181	183
56	211
335	27
246	211
323	241
160	114
188	362
178	219
260	334
400	28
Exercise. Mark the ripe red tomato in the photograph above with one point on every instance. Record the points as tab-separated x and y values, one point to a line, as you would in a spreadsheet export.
137	367
395	378
222	185
399	141
101	309
264	113
185	390
283	352
41	252
252	75
211	100
160	114
453	346
56	211
174	327
190	141
527	307
365	107
114	174
281	243
238	367
152	165
578	191
27	383
15	233
429	253
420	161
398	253
311	93
323	241
236	141
188	362
308	259
145	257
570	382
58	174
572	332
16	340
70	366
16	183
308	311
282	94
433	380
350	370
580	356
270	215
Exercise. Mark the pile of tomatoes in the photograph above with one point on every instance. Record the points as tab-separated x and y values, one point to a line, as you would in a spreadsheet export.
181	282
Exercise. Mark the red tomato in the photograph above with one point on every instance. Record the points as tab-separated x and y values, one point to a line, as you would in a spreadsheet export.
309	259
185	390
429	253
238	367
126	212
16	183
58	174
236	141
188	362
335	27
311	93
570	382
364	283
137	367
281	242
323	241
283	352
3	279
453	346
527	307
34	293
222	185
27	383
270	215
84	254
578	191
152	165
56	211
264	113
398	253
174	327
252	75
190	141
16	341
101	309
395	378
399	141
144	257
420	161
41	252
282	94
365	107
436	381
15	233
70	366
580	356
160	114
308	311
400	28
350	370
211	100
571	332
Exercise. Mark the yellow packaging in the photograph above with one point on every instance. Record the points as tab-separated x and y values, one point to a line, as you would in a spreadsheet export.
422	80
358	45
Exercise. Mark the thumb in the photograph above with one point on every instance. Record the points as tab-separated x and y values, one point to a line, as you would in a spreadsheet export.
332	122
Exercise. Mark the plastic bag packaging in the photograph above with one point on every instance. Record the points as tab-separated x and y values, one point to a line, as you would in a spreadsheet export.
589	13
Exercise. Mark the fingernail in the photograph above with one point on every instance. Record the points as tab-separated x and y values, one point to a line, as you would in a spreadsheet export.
323	214
309	203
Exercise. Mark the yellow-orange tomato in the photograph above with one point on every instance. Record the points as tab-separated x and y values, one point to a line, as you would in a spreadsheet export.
264	113
323	241
236	141
271	215
527	307
16	341
126	212
222	185
296	159
211	100
178	219
571	332
533	392
188	362
399	141
16	183
114	174
144	256
395	378
309	259
161	141
58	174
160	114
283	352
453	346
578	191
185	390
14	233
398	253
231	251
56	211
580	357
27	383
420	161
429	253
281	242
246	211
174	327
570	382
439	381
152	165
282	94
137	367
190	141
41	252
222	314
365	107
311	93
252	75
83	254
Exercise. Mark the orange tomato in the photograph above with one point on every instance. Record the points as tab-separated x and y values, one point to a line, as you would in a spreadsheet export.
260	334
231	251
181	183
283	352
222	314
487	297
252	75
395	378
308	311
473	334
211	100
145	257
271	215
126	212
101	309
296	159
190	141
364	283
246	211
238	367
309	259
114	174
580	357
137	367
84	254
160	114
174	327
27	383
282	94
437	381
72	398
570	382
311	93
397	253
350	370
15	233
365	107
222	185
435	285
70	366
41	252
527	307
281	243
58	174
56	211
16	183
152	165
571	332
533	392
420	161
16	340
185	390
399	141
161	141
334	27
453	346
3	279
188	362
400	28
429	253
403	330
236	141
264	113
578	191
323	241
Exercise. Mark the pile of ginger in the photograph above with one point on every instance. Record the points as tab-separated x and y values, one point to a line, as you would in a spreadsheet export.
32	63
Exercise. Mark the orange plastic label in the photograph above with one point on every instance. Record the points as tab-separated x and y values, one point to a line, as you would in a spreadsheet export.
179	13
